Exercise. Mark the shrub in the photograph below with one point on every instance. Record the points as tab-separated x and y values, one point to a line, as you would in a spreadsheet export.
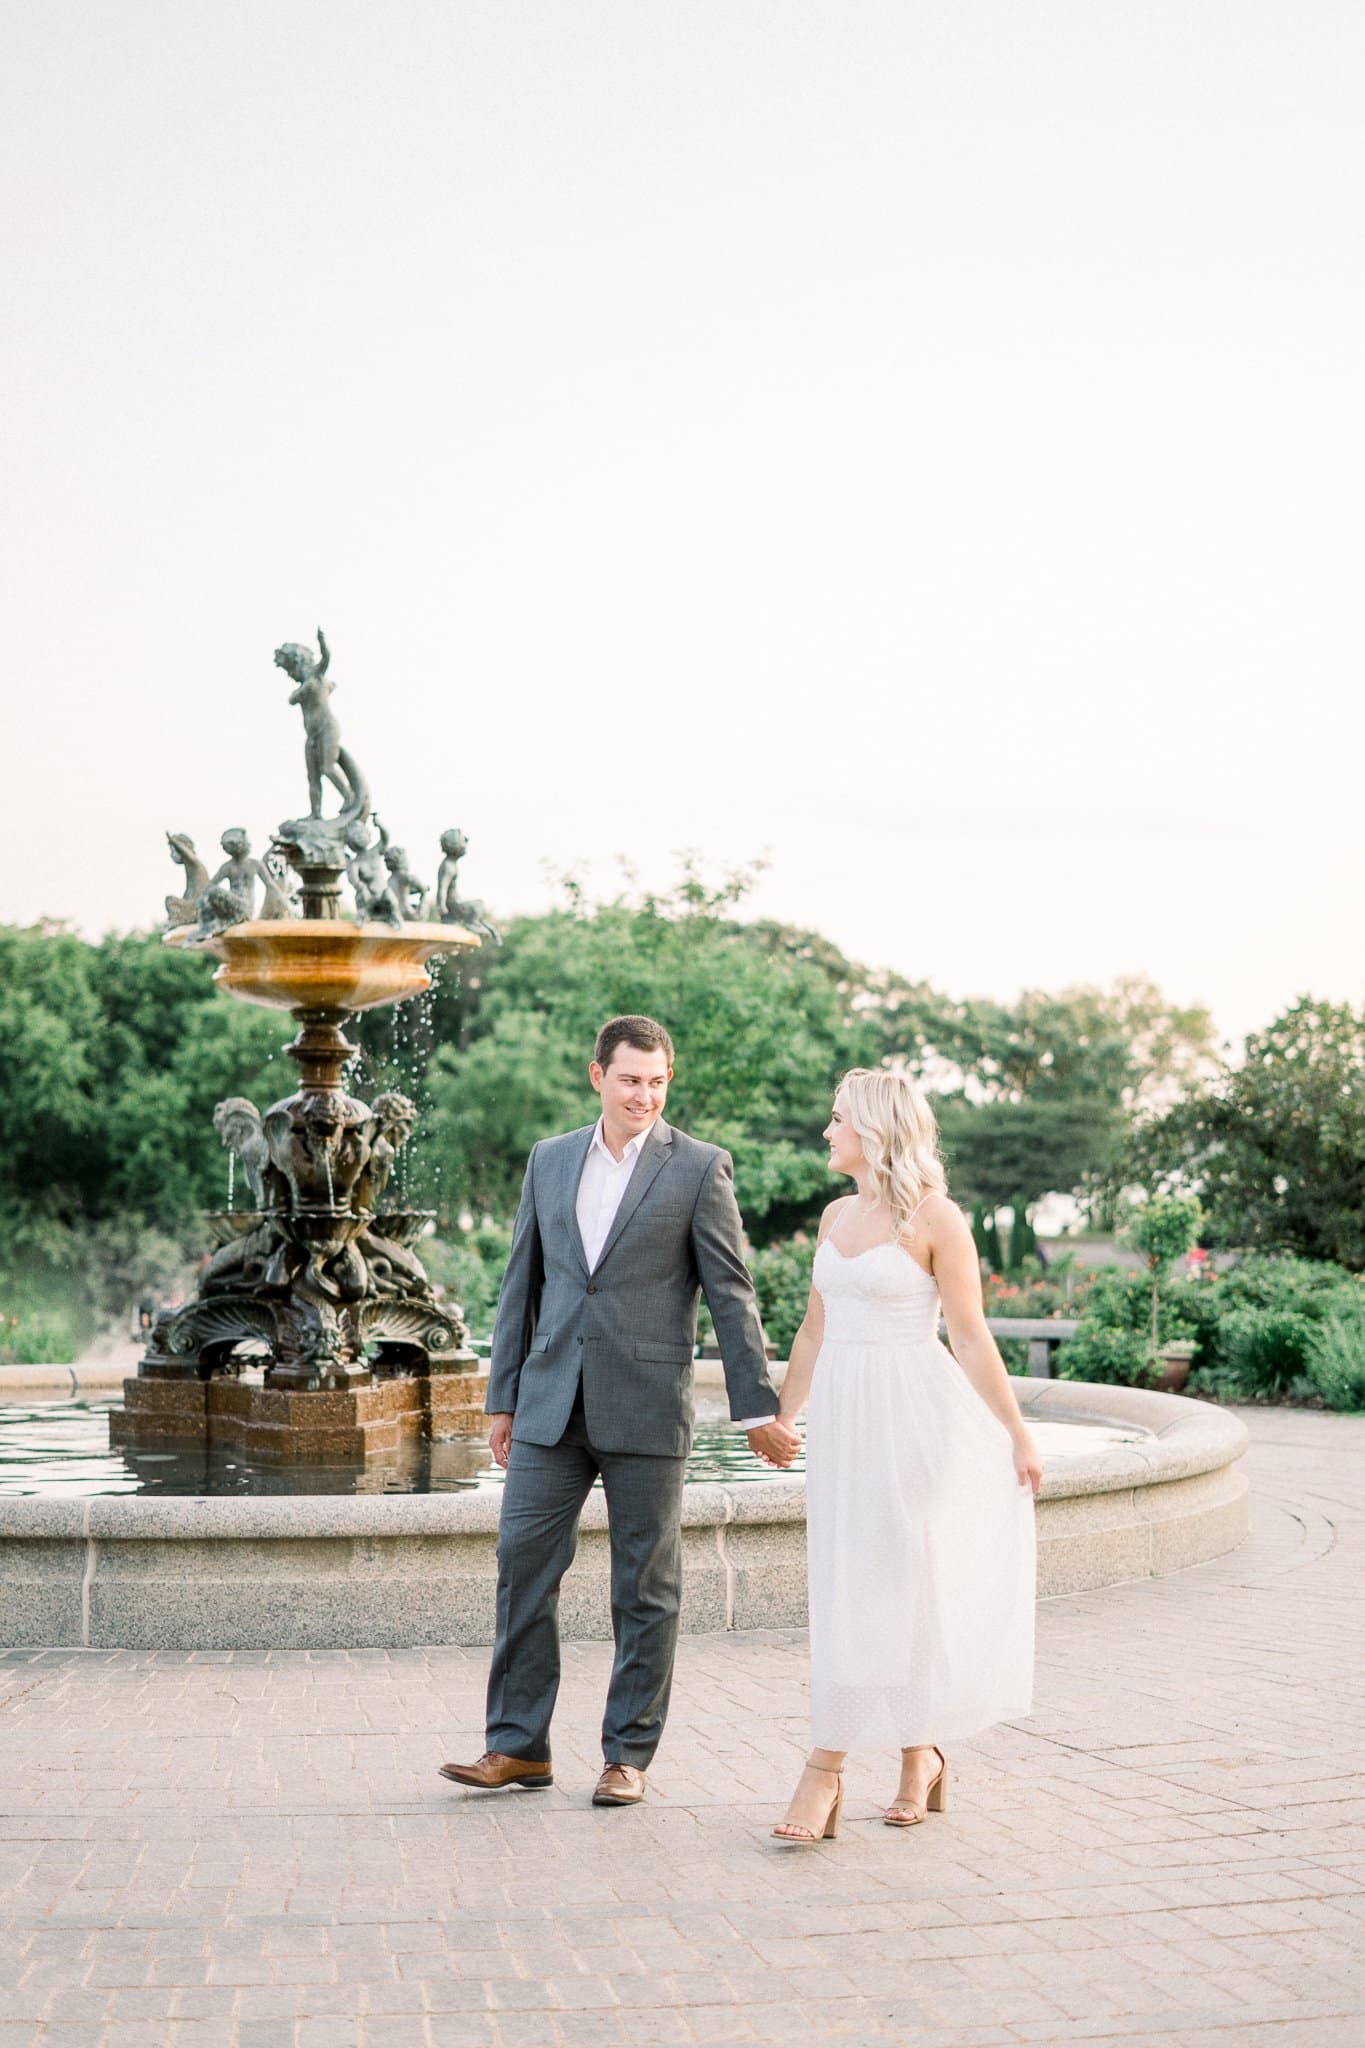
470	1267
1261	1350
1264	1280
1099	1351
38	1336
1163	1230
1336	1359
1258	1324
781	1274
1121	1299
1057	1290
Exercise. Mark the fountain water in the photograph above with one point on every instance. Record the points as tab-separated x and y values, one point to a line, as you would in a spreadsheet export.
360	1353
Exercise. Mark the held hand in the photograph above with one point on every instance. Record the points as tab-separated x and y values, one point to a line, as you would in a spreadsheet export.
775	1442
500	1438
1028	1465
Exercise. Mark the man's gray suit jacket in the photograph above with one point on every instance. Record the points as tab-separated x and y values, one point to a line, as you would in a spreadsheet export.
629	1327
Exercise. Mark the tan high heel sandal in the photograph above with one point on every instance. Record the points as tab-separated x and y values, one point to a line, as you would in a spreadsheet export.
808	1836
899	1814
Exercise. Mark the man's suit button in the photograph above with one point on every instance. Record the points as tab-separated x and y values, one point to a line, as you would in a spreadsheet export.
580	1340
592	1287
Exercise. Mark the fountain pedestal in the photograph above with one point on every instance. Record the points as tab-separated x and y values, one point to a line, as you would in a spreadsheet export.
275	1426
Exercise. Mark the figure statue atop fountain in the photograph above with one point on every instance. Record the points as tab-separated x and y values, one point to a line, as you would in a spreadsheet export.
314	838
444	903
185	909
368	874
324	756
241	872
406	893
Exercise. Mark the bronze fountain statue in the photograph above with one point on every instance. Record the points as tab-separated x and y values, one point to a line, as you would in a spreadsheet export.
319	1277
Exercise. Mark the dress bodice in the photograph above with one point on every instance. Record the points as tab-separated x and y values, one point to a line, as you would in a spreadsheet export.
879	1296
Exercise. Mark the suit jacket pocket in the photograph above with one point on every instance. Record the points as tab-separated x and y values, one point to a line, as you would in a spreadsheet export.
665	1354
538	1344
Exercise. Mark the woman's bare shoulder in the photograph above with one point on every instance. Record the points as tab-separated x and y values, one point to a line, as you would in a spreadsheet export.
942	1218
830	1214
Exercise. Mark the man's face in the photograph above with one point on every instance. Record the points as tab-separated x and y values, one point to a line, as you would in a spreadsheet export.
633	1087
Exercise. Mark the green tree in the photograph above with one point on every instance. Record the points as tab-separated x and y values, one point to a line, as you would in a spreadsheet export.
1163	1230
1276	1145
113	1057
1004	1149
49	1032
1041	1092
764	1019
1023	1237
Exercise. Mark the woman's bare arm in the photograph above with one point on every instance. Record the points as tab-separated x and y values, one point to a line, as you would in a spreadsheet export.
956	1267
807	1341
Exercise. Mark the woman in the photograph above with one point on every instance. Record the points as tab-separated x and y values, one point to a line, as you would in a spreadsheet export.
920	1473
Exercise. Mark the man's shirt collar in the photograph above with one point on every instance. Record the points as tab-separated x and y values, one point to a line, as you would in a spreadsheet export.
634	1145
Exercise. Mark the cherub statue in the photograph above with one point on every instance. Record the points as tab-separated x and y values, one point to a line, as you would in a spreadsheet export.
392	1117
220	908
393	1269
444	902
184	909
240	873
406	893
238	1124
325	757
368	875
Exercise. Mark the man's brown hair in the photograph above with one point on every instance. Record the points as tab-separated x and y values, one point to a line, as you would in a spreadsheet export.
641	1032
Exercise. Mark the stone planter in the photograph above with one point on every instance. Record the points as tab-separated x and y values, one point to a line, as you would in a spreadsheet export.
1174	1360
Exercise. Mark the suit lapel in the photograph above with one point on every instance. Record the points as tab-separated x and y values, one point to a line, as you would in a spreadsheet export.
653	1157
575	1158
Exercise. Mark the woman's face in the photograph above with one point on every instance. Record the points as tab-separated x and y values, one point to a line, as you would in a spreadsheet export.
845	1146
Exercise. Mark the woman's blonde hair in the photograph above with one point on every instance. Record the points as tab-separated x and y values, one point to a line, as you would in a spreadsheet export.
891	1115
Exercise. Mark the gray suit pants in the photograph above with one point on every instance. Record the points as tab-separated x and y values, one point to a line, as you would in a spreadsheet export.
543	1496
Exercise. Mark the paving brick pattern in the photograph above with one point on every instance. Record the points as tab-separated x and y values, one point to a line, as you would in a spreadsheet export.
251	1850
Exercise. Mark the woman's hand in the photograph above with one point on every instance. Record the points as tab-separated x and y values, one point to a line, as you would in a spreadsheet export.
1028	1465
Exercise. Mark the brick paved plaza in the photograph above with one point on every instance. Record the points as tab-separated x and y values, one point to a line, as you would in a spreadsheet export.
252	1850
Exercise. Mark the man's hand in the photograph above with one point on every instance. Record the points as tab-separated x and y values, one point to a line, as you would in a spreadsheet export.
775	1442
500	1438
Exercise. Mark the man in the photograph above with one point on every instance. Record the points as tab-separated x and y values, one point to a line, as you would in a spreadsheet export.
621	1224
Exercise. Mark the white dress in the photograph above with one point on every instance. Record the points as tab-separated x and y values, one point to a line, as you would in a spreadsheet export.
920	1538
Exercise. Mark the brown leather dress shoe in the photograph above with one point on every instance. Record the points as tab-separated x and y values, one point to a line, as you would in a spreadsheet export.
493	1771
619	1785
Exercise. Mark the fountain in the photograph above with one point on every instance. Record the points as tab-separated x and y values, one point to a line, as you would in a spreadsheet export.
319	1278
367	1376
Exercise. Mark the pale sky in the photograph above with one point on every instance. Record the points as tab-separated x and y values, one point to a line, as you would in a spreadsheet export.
919	443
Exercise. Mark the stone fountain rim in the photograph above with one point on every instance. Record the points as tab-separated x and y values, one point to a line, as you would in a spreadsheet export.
1186	1438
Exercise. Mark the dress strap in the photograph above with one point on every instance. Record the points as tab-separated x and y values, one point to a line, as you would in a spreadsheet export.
918	1206
829	1234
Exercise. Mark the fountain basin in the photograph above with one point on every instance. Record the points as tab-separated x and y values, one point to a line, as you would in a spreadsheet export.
324	963
329	1571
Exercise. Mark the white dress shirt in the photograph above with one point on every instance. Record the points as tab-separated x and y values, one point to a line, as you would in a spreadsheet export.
603	1184
604	1181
